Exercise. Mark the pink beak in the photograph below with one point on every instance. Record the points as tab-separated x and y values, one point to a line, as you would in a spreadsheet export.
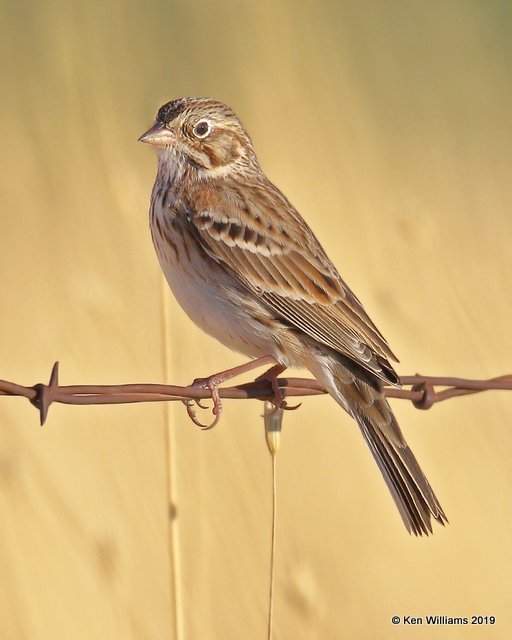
158	135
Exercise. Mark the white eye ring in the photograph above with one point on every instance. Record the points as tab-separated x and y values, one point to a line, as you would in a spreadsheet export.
202	129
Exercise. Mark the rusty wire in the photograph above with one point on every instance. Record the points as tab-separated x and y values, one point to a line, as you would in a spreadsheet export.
422	392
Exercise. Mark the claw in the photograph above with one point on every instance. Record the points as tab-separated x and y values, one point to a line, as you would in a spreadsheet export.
213	423
271	376
212	384
285	406
190	410
192	415
292	407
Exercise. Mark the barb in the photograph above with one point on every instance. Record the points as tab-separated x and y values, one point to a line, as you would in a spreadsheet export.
424	391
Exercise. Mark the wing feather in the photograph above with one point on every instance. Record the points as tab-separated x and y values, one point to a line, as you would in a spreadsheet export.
259	237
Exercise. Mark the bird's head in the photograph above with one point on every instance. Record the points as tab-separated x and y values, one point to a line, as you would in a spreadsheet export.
201	132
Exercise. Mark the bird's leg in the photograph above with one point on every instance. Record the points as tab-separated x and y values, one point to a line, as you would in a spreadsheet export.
212	383
271	376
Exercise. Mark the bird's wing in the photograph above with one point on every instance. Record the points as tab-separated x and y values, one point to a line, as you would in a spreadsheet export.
257	235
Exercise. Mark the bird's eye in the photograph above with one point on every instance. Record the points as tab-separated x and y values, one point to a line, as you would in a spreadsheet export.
202	129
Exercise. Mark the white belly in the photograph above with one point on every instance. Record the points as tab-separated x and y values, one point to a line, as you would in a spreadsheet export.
203	291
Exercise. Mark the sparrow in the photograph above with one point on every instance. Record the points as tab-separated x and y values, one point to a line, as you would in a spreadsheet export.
248	270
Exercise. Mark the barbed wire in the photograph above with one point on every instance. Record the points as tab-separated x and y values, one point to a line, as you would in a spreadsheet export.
422	392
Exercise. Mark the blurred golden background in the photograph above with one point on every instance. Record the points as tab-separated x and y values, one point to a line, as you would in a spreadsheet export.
388	125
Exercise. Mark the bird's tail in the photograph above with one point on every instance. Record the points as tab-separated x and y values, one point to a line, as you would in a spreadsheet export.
408	485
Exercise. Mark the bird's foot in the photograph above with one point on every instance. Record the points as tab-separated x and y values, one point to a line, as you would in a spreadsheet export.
270	376
211	383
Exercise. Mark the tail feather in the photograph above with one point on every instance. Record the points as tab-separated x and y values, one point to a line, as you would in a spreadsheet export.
407	483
